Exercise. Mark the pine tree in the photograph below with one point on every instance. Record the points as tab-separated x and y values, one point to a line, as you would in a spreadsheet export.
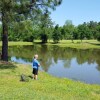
20	10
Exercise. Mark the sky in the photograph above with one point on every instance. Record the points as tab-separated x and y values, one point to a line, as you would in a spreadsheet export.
78	11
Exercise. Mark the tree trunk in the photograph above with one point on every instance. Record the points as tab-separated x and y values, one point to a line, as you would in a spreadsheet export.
4	56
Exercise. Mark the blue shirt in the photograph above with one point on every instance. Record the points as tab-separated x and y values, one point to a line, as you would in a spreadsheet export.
35	63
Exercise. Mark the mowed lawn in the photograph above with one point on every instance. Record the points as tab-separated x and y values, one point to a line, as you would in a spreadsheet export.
46	87
17	43
85	44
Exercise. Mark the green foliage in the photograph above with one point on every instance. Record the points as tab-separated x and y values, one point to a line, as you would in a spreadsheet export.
98	32
56	34
45	27
98	37
89	30
19	11
44	35
22	31
68	30
0	31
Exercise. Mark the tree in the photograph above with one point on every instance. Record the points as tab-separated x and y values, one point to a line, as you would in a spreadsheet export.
45	24
82	30
75	33
21	31
20	10
98	37
92	26
63	33
0	31
98	32
56	34
69	28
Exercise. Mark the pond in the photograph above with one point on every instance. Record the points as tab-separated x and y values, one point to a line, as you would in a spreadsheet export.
76	64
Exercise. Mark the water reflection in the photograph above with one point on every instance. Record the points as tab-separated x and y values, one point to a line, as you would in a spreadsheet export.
83	65
20	60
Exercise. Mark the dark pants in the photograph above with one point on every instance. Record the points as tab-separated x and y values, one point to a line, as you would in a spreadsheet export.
35	71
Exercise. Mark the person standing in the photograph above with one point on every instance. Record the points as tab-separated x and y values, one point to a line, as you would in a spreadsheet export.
35	66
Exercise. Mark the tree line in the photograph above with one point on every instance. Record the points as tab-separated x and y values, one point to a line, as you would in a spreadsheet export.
45	30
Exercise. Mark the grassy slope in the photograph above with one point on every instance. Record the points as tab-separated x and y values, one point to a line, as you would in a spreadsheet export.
46	88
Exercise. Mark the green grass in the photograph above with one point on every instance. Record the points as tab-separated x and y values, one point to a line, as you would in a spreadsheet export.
17	43
85	44
46	87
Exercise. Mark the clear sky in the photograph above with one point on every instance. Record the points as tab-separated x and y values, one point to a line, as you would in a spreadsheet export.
78	11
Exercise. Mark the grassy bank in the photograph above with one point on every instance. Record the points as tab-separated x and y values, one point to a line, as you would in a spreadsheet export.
45	88
17	43
85	44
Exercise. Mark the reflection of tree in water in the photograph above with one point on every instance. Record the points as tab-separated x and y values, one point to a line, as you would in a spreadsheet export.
98	68
98	62
67	63
45	54
97	54
23	51
85	56
82	56
55	53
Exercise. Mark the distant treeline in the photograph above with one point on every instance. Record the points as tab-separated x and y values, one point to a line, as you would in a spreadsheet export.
27	31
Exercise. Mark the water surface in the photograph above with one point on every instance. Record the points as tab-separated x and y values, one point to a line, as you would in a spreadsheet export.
76	64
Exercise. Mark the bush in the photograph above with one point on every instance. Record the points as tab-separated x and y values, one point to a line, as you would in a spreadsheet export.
98	38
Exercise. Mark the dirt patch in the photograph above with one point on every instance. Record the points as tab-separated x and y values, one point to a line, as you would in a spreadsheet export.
6	65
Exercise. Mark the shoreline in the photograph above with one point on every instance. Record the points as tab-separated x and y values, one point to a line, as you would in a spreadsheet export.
47	87
86	44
